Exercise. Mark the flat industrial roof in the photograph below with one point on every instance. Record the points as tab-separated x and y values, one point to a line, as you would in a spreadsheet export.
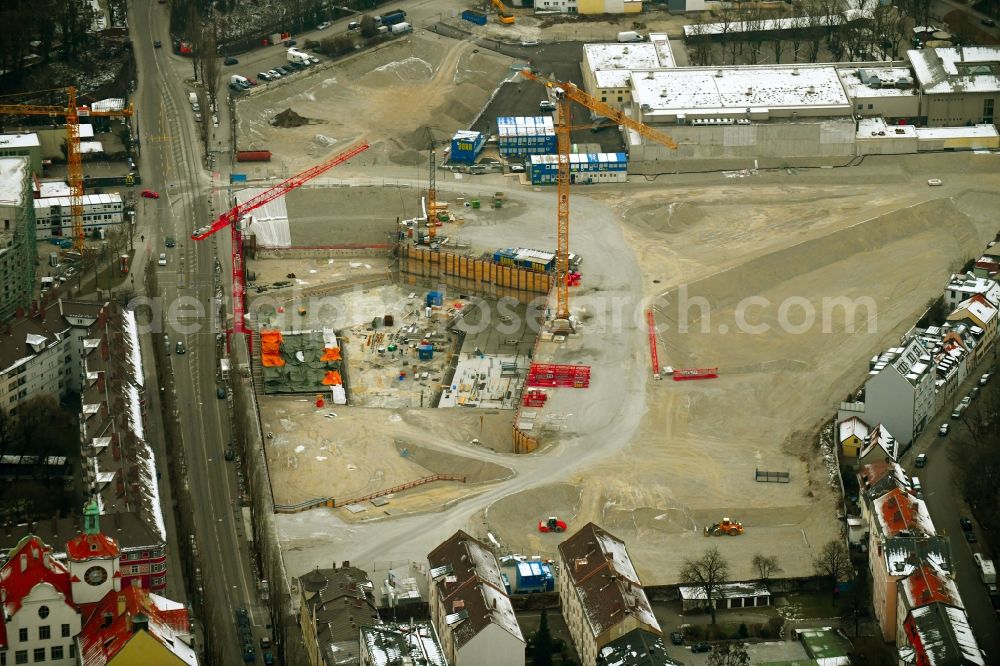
13	171
877	127
737	89
857	81
86	199
965	69
18	140
613	62
977	131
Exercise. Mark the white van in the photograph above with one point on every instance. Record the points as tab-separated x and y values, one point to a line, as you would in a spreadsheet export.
240	81
917	488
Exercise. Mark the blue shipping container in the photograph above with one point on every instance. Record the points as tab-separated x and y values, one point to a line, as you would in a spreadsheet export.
466	146
393	17
473	16
534	577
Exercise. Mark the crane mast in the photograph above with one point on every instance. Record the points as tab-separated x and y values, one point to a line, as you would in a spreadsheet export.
565	93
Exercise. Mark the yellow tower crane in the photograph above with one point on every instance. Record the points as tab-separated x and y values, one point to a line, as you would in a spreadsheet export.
72	114
566	92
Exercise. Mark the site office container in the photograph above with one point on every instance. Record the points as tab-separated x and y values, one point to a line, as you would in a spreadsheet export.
253	155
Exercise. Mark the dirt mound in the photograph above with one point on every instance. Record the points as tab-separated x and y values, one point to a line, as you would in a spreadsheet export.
441	462
289	118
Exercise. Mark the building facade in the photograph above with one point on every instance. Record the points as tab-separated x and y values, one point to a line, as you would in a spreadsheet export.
469	605
518	136
23	145
17	235
54	215
333	604
958	86
585	169
601	595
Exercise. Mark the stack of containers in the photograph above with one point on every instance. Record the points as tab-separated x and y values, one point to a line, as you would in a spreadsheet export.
518	136
337	393
584	168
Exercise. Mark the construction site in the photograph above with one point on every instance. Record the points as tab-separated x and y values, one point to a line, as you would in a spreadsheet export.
572	380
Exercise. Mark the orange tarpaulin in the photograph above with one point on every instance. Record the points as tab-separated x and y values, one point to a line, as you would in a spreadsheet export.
270	349
331	354
332	378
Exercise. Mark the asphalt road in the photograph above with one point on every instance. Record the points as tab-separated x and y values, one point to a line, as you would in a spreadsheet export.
171	163
946	504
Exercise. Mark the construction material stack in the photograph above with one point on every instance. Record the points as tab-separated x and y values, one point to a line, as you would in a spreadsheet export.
551	375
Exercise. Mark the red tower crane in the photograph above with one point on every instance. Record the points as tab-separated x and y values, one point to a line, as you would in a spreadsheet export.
232	217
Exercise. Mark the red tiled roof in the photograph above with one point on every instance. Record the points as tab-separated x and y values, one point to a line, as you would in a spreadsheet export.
99	644
87	546
898	511
927	585
39	567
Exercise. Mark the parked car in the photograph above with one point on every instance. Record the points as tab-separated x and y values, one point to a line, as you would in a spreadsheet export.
677	638
162	261
253	82
970	537
934	182
974	393
988	21
220	392
230	454
529	42
944	429
966	524
546	105
289	43
263	76
274	74
323	26
265	643
354	25
157	44
150	194
921	460
966	400
517	168
170	242
985	379
230	61
701	647
180	347
285	70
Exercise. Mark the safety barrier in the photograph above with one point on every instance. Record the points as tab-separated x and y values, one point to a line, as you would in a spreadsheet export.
332	503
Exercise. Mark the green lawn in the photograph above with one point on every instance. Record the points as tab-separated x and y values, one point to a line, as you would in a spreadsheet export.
804	605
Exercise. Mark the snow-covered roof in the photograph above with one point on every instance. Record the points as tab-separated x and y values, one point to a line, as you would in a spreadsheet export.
891	81
961	69
969	284
582	158
737	89
605	56
53	188
853	426
880	437
110	104
131	338
466	135
978	307
877	127
973	132
929	584
899	513
104	199
940	634
8	141
904	555
13	171
912	361
768	25
725	591
89	147
269	223
391	644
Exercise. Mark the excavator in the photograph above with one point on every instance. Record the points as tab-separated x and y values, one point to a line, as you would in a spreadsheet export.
503	14
727	526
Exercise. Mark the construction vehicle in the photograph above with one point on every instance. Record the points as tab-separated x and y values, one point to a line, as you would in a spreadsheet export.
233	218
72	113
503	14
727	526
566	92
553	524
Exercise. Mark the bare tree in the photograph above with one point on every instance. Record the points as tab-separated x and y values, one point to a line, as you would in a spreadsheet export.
753	25
701	42
815	21
729	654
728	19
706	573
833	562
765	566
194	37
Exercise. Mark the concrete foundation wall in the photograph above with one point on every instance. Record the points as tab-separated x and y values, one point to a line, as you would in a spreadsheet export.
829	140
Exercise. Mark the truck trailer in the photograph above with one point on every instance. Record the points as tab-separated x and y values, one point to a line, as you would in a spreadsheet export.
392	18
987	572
400	28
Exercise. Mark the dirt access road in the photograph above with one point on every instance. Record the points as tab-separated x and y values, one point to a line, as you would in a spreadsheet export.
655	462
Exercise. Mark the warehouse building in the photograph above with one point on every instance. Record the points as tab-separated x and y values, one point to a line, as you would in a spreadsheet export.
765	111
584	169
17	236
518	136
882	92
22	145
607	67
54	215
958	86
586	6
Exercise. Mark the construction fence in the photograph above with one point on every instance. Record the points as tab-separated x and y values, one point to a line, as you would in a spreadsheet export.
471	275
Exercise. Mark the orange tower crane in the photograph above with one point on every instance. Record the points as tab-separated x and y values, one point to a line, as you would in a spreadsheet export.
232	217
565	93
72	114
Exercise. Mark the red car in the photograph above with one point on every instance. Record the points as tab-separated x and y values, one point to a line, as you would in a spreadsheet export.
150	194
553	524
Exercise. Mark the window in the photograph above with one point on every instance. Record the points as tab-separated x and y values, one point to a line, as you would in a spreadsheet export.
21	657
860	106
22	634
57	652
134	569
72	650
988	111
871	106
619	98
39	655
44	632
65	631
